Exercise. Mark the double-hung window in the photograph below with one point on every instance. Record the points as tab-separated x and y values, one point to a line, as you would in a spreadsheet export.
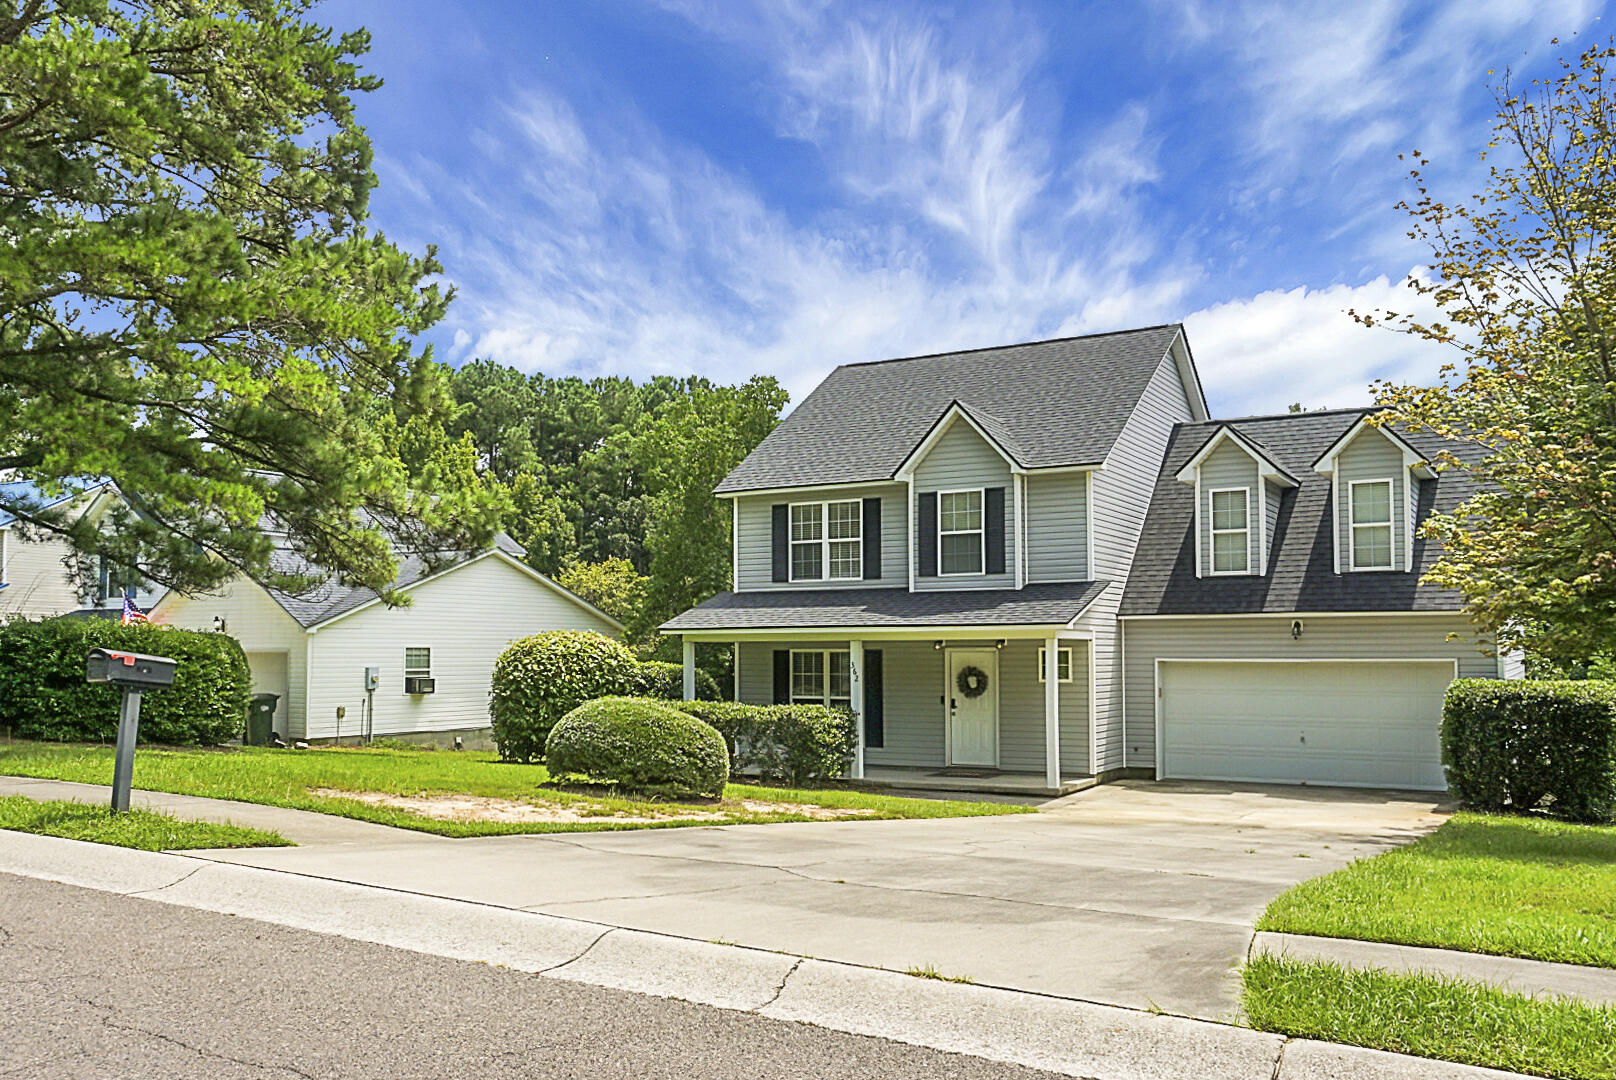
1231	531
827	541
822	677
1371	509
1063	664
417	662
959	532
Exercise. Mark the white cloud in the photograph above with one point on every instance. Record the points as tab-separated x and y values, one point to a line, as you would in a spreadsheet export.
1262	354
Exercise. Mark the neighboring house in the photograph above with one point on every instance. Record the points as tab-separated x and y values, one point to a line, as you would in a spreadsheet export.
1048	559
37	571
434	657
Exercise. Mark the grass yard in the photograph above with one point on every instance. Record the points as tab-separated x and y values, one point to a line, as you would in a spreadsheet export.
1432	1017
472	794
141	829
1509	886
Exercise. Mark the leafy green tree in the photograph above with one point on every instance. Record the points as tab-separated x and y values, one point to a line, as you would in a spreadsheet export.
613	585
538	521
192	305
1524	274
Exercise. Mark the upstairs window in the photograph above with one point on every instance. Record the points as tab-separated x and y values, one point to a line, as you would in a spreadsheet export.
959	532
1231	531
1371	509
827	541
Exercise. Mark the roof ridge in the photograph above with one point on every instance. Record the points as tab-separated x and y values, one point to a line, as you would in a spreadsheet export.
1290	415
1011	345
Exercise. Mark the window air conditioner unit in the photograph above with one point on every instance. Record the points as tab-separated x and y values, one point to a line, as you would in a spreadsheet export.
420	684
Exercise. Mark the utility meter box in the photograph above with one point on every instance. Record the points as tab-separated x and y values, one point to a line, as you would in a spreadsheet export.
373	678
135	670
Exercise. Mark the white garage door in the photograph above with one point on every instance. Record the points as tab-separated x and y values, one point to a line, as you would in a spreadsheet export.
1360	724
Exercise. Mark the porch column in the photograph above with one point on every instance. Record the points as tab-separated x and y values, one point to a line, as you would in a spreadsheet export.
690	670
1052	713
855	655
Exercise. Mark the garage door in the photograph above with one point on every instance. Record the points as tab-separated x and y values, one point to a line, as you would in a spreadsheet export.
1362	724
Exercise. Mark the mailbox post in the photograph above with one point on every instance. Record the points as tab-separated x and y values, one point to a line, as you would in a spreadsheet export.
133	673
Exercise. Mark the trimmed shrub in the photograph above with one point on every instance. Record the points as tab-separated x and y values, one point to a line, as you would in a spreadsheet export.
665	681
43	694
1528	744
537	680
792	743
640	745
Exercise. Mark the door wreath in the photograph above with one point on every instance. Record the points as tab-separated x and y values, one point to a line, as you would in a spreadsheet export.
972	682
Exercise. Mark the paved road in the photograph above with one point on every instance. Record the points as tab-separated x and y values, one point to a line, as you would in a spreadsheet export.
95	985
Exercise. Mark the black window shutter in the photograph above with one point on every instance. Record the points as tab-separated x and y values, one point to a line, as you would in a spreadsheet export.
782	676
993	530
872	539
782	542
874	718
926	533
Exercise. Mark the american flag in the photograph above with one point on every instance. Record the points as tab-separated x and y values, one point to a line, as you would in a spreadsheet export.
131	613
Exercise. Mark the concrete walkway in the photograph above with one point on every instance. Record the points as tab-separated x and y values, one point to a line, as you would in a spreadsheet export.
1072	1038
299	826
1534	978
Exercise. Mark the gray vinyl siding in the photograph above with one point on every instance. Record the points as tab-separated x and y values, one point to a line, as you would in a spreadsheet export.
912	698
1122	491
1230	467
1371	456
755	538
963	459
1374	637
1275	493
1057	527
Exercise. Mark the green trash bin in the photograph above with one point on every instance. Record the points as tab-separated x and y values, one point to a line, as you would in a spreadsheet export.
261	719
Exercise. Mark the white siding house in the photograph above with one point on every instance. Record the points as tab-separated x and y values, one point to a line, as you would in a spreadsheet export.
314	653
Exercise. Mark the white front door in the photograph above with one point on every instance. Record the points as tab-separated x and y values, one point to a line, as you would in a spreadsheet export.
973	721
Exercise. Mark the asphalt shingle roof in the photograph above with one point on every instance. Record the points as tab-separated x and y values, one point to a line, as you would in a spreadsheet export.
1034	605
1302	573
27	495
1056	403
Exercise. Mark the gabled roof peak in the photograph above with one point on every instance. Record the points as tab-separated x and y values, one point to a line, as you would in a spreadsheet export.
1268	465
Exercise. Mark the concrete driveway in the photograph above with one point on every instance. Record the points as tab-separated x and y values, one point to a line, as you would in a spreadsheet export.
1139	894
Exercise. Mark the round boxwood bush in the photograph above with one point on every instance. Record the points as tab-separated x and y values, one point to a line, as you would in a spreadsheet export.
640	745
538	680
43	694
661	679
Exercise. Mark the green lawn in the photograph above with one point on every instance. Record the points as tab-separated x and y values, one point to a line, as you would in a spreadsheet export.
142	829
289	777
1432	1017
1504	885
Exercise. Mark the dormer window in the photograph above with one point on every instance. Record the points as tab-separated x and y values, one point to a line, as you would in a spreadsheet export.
959	532
1231	530
1371	502
825	537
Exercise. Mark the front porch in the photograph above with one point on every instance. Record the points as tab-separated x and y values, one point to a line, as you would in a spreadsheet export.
1010	715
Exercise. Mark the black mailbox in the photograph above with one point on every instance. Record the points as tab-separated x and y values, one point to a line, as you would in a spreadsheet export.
134	670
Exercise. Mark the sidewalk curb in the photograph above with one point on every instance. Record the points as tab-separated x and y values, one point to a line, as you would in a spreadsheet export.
1060	1035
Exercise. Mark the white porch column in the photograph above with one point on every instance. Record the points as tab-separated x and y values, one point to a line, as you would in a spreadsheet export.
1052	713
855	651
690	670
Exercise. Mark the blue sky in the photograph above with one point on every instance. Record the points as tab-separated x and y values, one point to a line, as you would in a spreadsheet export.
727	189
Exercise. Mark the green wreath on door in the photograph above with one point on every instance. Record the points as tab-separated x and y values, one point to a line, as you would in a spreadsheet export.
972	681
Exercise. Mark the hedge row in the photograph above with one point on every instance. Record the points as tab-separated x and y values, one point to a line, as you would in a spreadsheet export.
792	743
43	694
1532	744
641	745
539	679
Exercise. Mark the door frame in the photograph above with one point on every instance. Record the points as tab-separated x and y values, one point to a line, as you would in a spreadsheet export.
948	690
1160	725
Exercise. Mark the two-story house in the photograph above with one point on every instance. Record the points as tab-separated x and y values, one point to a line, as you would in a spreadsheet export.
1047	562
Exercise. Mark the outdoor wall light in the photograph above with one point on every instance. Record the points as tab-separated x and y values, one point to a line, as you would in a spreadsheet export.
1296	629
219	625
999	644
938	645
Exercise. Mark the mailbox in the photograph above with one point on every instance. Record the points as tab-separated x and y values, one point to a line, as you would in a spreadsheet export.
134	670
420	684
